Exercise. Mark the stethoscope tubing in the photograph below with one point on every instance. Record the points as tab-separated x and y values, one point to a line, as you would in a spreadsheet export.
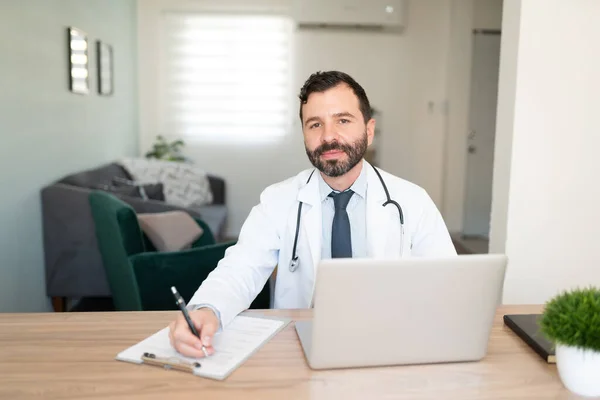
295	262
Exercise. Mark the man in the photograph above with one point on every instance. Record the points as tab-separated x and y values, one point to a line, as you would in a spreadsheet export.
343	214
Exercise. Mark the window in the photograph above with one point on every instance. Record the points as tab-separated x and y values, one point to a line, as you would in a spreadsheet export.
225	77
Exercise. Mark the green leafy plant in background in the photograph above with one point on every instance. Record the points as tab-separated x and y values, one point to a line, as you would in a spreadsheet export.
164	150
573	319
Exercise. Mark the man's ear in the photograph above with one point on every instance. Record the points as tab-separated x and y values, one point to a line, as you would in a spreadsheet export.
370	130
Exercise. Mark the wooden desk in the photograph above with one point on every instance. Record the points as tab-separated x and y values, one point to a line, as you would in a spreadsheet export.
71	356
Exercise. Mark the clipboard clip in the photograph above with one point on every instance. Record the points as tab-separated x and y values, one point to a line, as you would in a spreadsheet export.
170	363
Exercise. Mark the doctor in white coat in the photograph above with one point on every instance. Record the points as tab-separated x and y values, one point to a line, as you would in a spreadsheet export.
299	221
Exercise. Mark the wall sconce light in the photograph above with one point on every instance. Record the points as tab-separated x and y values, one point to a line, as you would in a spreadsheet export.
78	61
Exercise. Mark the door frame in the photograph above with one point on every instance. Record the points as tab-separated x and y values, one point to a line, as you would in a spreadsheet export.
474	33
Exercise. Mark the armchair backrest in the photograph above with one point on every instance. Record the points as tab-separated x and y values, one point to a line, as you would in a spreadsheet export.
119	236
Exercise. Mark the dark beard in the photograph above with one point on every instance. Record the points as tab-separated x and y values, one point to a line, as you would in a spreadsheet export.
335	168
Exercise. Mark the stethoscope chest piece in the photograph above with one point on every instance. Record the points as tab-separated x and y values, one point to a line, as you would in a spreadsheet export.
294	262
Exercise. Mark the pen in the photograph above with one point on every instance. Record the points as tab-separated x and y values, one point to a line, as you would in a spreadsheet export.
182	307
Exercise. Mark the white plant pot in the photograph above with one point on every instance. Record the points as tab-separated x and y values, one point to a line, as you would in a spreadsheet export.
579	370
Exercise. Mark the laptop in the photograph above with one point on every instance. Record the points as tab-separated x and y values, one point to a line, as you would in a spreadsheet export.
370	312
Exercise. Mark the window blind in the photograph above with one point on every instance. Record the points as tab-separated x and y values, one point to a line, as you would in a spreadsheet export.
225	77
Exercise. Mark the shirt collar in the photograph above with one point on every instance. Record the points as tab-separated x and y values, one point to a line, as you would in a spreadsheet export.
359	186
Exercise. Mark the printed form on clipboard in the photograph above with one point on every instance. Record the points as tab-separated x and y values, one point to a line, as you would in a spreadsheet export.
233	346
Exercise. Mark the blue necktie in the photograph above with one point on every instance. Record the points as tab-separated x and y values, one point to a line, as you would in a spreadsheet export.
341	242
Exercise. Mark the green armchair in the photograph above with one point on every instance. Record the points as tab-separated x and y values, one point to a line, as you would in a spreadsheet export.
139	277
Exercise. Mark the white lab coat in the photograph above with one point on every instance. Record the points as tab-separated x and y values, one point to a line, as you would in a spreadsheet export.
267	236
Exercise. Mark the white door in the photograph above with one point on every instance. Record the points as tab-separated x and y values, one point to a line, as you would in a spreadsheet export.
480	153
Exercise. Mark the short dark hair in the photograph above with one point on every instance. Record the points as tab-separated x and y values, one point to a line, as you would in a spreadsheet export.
321	81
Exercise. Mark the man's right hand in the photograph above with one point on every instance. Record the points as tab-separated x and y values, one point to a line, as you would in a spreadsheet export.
185	342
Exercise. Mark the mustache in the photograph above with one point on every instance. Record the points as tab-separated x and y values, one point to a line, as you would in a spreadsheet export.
331	146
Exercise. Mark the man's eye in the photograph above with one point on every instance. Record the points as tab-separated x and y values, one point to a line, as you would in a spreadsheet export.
315	125
344	121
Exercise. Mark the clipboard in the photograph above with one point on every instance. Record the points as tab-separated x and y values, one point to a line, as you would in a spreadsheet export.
238	341
170	363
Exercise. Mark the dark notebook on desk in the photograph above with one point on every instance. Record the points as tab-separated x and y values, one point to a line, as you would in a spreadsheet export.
527	328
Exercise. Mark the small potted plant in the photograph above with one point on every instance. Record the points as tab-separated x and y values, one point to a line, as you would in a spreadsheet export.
169	151
571	320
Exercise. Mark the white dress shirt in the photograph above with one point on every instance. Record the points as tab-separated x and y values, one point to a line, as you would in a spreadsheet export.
357	215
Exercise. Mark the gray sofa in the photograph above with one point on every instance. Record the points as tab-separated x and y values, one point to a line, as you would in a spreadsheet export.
73	264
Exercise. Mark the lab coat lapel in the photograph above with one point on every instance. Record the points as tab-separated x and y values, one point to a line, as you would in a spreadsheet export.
311	221
380	221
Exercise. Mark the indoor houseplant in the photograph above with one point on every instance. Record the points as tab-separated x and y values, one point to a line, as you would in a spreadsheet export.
169	151
571	320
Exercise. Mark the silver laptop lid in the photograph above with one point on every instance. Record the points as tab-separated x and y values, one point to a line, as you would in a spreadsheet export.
418	310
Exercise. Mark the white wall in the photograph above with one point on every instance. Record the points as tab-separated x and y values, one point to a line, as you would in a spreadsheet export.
550	92
422	138
465	15
46	131
457	124
402	75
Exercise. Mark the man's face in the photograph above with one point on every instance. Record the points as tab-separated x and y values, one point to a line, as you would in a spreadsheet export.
335	134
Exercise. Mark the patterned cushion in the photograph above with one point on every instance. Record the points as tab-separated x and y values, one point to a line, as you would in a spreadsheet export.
152	191
183	184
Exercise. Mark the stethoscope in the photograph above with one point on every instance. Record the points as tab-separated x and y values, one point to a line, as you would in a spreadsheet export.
295	262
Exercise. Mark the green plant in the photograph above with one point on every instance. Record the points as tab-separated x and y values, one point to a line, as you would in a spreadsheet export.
573	319
164	150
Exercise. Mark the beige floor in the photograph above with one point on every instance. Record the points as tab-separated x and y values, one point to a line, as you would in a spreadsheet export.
471	245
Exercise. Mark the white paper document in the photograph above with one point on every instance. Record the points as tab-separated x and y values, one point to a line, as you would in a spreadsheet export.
234	345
